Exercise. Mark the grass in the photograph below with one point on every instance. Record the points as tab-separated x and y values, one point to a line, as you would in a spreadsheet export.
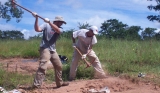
116	56
10	80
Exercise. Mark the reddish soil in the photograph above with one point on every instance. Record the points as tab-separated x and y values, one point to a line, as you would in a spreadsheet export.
115	84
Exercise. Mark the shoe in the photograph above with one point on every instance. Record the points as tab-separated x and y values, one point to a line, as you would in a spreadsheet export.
64	84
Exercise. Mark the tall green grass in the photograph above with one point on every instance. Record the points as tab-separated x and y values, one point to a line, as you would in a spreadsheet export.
19	48
116	56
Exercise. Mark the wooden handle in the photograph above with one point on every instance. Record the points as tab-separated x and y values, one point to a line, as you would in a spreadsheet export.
88	64
26	9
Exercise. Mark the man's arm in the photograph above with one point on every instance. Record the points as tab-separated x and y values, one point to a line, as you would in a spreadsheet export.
36	27
53	26
56	28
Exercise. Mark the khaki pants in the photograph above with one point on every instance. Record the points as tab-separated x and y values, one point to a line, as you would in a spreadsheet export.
45	57
99	73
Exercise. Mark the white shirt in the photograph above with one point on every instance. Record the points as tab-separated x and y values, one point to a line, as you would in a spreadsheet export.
84	42
81	34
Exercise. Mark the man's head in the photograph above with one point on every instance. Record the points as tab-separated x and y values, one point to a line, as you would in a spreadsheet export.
94	29
59	21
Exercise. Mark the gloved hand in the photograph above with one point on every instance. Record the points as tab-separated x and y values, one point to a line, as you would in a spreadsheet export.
74	45
84	56
34	14
46	20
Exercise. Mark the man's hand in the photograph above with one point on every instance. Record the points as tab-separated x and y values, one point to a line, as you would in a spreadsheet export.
46	20
34	14
84	56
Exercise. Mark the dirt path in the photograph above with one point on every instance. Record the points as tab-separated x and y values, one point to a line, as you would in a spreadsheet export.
115	84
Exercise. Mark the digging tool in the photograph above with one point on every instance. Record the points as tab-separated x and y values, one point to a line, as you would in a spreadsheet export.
24	8
88	64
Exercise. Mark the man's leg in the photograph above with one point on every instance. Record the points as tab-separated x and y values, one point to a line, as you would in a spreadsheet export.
40	74
57	68
74	65
99	72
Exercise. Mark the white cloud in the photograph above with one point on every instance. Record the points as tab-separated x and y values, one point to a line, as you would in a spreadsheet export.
96	20
28	33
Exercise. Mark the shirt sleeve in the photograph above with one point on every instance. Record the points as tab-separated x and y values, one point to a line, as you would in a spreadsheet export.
94	40
43	26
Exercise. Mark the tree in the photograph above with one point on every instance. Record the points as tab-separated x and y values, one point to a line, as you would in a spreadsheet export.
113	29
36	36
7	11
132	33
67	33
157	36
14	34
156	8
148	33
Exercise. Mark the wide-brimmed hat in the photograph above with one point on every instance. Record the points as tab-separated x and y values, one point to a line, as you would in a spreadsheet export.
59	18
94	29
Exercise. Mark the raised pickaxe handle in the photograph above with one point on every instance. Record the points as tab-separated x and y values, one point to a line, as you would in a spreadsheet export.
26	9
88	64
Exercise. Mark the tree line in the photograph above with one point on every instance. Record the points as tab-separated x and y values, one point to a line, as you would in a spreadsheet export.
114	29
13	34
109	29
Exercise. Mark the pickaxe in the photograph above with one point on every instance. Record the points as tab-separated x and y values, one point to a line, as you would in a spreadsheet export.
88	64
13	2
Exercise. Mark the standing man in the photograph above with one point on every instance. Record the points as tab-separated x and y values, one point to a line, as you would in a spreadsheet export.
51	32
85	42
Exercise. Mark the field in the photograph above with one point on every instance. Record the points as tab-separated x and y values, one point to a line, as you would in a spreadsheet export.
122	61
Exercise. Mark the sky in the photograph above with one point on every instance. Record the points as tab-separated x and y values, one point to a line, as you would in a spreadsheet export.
93	12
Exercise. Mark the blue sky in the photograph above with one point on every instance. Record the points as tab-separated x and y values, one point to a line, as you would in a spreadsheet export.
94	12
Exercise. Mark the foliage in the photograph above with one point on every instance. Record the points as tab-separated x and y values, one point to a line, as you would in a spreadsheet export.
14	34
84	26
67	34
148	33
113	29
156	8
157	36
8	10
132	33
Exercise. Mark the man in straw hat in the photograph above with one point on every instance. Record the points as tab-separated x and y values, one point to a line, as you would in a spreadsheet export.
51	32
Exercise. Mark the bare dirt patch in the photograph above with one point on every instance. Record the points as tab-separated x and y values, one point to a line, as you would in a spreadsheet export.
115	84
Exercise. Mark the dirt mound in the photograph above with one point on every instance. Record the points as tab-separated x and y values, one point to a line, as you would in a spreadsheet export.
115	84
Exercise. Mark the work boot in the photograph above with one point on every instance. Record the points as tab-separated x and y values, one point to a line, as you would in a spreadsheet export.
64	84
